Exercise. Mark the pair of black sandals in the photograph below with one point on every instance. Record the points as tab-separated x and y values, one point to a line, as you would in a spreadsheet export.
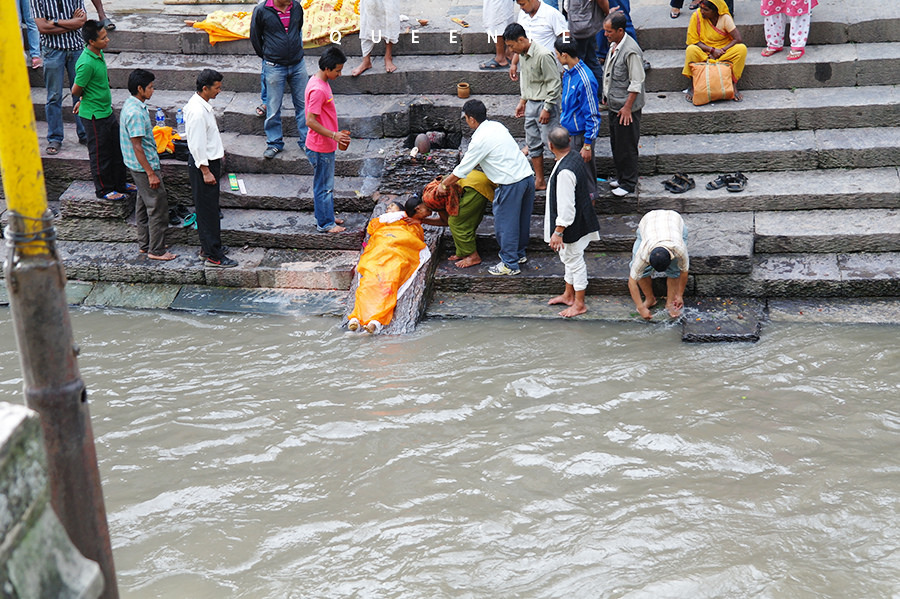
733	182
680	182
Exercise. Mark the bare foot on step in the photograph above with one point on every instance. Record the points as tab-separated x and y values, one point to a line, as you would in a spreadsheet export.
365	66
561	299
470	260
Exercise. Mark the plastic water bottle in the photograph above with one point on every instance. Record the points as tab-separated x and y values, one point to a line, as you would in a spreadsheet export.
160	118
179	123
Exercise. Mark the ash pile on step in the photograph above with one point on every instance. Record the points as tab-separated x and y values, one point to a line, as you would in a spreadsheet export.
411	166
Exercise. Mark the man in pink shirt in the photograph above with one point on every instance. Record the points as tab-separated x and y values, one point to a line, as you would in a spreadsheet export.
324	137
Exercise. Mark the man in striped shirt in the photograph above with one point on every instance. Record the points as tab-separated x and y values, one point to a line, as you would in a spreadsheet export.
661	246
59	23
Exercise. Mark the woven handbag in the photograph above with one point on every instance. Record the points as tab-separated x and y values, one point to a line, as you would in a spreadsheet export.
712	81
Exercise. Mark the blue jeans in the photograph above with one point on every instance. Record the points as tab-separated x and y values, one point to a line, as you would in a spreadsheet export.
512	208
553	3
56	64
262	82
31	36
323	188
277	76
602	42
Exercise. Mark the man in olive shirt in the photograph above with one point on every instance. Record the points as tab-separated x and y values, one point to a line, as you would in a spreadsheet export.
95	111
541	90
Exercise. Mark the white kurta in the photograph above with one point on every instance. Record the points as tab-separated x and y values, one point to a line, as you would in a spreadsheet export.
379	20
497	14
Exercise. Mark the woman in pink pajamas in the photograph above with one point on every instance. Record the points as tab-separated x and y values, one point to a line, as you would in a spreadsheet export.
774	13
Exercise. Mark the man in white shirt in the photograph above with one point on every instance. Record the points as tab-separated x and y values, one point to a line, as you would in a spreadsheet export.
205	167
661	246
494	149
542	24
570	214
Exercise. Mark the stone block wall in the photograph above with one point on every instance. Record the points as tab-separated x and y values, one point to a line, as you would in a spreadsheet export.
37	559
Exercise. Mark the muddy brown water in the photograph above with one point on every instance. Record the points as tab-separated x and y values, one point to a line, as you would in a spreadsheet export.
247	456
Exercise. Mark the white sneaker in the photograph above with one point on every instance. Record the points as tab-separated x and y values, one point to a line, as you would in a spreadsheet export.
620	191
613	183
502	269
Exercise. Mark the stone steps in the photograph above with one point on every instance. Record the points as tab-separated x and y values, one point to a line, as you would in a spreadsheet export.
84	217
168	34
379	116
772	275
664	154
257	267
842	65
827	231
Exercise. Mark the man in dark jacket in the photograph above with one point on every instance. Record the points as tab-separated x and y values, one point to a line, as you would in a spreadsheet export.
585	22
276	32
570	222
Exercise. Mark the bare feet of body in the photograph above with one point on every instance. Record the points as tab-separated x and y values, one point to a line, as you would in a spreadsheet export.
389	65
365	66
336	229
339	221
470	260
453	258
644	310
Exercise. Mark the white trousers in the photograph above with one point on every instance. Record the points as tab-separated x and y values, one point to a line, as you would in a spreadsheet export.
572	257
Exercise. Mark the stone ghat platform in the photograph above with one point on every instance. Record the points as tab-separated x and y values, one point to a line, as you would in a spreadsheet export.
819	140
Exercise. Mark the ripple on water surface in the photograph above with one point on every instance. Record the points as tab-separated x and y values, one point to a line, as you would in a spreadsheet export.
246	456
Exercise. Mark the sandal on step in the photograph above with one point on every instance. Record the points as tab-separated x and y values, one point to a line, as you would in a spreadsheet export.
110	26
736	182
677	180
796	54
681	186
492	65
261	111
718	183
53	148
674	13
114	195
770	51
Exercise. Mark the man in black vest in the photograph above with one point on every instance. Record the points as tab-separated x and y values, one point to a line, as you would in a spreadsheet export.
570	222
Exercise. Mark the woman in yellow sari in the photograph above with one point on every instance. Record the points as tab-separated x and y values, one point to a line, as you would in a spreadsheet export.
712	36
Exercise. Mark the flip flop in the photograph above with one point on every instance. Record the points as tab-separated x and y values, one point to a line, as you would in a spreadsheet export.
261	110
738	96
114	195
53	148
674	13
110	26
796	54
492	65
770	51
130	188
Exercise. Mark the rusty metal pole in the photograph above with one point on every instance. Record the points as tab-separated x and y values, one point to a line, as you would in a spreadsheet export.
36	282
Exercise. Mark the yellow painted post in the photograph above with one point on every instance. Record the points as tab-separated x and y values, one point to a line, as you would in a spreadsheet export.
20	154
36	282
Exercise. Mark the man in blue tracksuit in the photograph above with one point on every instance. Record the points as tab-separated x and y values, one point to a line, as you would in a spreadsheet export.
580	110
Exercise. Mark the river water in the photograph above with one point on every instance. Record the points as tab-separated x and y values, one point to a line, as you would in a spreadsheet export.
268	457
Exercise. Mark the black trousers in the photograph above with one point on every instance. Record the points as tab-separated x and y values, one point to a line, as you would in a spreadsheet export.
587	51
623	140
206	206
107	167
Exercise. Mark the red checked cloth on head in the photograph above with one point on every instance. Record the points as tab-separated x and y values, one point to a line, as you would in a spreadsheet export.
441	199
